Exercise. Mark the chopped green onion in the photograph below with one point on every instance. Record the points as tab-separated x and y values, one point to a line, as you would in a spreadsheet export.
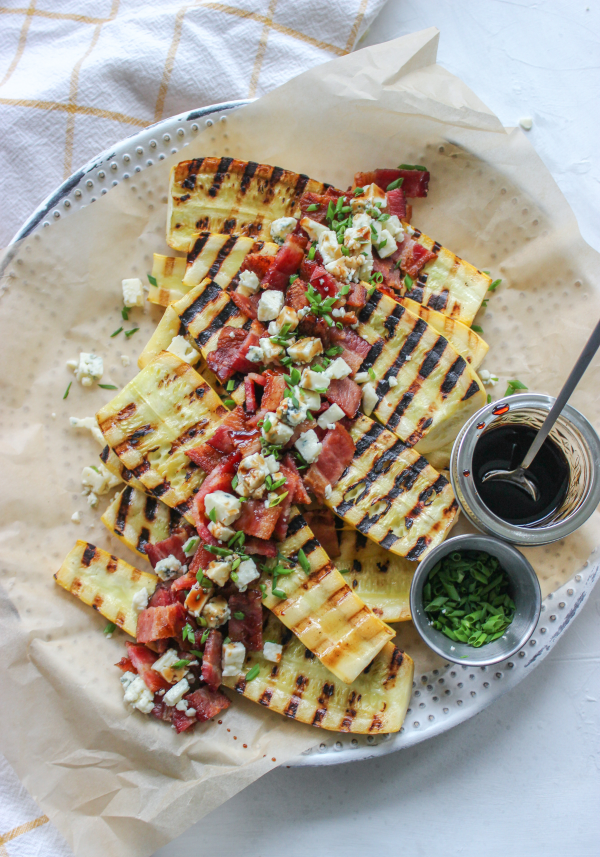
513	386
108	386
202	621
293	278
234	481
279	593
239	615
116	332
188	633
67	390
312	251
234	576
358	191
226	640
190	546
372	374
477	328
412	167
195	652
408	282
251	674
213	515
494	285
489	398
152	281
315	206
133	330
230	385
109	628
182	663
277	500
229	403
95	468
393	185
303	561
125	313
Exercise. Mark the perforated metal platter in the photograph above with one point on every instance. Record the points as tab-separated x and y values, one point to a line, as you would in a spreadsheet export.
442	698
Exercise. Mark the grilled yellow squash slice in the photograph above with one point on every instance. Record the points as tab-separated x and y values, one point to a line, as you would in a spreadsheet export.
433	382
463	339
167	274
321	609
303	689
447	283
231	196
220	257
392	495
105	582
138	519
166	409
381	579
166	330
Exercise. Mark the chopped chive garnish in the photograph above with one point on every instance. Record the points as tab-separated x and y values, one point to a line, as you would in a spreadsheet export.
303	561
133	330
494	285
202	621
116	332
358	191
372	374
251	674
413	167
293	278
67	390
95	468
513	386
477	328
467	596
213	515
152	281
277	500
182	663
279	593
125	313
226	640
312	251
109	628
229	403
239	615
408	282
204	637
196	653
188	633
108	386
231	385
489	398
393	185
313	207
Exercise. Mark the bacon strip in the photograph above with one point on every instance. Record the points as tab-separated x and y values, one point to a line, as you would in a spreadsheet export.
159	623
207	703
230	354
212	671
142	659
413	257
173	546
337	453
249	629
346	393
415	182
322	523
285	263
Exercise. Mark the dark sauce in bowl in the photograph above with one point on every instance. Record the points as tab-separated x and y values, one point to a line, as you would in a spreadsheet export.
504	448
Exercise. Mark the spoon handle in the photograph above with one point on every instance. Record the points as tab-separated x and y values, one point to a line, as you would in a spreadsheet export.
563	397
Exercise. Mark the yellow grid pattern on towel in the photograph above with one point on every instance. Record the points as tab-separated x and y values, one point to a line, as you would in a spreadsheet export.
77	98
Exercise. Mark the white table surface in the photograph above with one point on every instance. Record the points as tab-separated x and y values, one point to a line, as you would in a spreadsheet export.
522	778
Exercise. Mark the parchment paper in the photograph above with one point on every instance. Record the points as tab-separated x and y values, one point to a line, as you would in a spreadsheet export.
118	783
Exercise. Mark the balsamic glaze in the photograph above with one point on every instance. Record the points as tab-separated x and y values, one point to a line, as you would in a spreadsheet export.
504	448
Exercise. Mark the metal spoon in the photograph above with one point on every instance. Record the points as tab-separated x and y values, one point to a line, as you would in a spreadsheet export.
518	476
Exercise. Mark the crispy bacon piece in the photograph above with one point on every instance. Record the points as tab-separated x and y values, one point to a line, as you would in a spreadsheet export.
249	629
126	665
162	595
230	354
392	276
181	721
158	623
355	347
291	486
300	495
205	456
285	263
322	281
257	521
256	263
142	659
184	582
306	269
322	523
296	295
346	393
202	557
413	257
322	200
251	382
207	703
357	296
222	438
415	182
212	671
260	547
396	203
248	304
173	546
273	392
218	480
336	455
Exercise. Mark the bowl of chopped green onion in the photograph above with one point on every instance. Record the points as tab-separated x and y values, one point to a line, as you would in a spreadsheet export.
475	600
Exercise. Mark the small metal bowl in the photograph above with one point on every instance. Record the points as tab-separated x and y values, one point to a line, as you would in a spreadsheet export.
525	593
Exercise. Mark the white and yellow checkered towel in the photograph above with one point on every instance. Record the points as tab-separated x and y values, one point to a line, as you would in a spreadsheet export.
79	75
